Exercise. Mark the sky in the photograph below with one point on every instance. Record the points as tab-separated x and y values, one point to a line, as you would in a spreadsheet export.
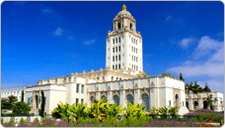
42	40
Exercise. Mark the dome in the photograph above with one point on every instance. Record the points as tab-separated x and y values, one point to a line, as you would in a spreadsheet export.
124	11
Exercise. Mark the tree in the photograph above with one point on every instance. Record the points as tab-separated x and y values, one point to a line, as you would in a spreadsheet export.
181	77
22	98
206	88
144	74
42	111
12	100
5	104
21	107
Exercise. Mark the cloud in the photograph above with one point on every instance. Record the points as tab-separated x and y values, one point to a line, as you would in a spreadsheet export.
169	17
186	42
212	83
47	11
89	42
58	32
213	66
70	38
206	46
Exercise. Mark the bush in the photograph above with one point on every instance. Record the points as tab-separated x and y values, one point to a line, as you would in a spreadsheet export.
2	120
21	107
173	111
10	123
36	120
22	121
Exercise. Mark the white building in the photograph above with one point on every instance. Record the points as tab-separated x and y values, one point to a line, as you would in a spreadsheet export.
120	82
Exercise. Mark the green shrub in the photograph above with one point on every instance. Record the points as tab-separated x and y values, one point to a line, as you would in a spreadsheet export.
173	111
61	110
164	112
2	120
36	120
22	121
21	107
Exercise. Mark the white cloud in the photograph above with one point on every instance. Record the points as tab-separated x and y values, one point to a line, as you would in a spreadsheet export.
47	11
186	42
213	84
213	66
169	17
58	32
207	46
89	42
70	38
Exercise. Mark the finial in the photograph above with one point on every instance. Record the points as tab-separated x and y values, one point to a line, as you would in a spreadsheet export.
124	8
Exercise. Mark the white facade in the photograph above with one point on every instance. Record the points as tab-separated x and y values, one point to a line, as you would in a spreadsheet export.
122	84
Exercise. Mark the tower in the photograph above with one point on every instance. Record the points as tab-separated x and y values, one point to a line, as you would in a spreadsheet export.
124	44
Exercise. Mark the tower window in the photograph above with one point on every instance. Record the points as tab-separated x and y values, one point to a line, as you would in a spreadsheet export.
116	58
113	50
119	66
116	67
132	49
119	57
131	27
119	48
134	67
113	58
136	59
116	40
131	40
132	58
136	50
113	67
119	39
116	49
113	41
137	68
136	41
119	26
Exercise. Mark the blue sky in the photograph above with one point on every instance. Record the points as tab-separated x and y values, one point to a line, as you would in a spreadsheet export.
41	40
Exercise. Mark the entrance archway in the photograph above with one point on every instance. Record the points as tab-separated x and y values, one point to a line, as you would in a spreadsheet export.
187	104
195	104
205	104
176	100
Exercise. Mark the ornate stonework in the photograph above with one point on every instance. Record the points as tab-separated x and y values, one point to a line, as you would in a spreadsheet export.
144	91
115	93
129	92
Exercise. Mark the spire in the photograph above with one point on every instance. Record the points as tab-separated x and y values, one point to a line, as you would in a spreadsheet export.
124	8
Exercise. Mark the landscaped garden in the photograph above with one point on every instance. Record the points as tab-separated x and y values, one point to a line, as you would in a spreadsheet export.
103	114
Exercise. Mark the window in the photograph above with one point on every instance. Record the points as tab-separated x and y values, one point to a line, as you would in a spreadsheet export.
119	48
77	101
116	40
112	78
103	97
116	49
132	49
130	99
136	59
92	99
113	50
113	67
116	100
134	67
169	102
77	88
136	50
119	39
113	41
116	67
119	57
145	101
119	26
103	78
116	58
113	58
82	101
182	103
131	40
82	89
97	78
136	41
131	27
132	58
119	66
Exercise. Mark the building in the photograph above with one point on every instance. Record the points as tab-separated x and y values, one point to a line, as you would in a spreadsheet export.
120	82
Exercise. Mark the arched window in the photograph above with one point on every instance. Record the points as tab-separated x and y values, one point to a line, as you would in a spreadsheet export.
116	40
113	50
187	104
119	57
131	40
113	67
103	97
113	58
131	27
116	67
132	49
116	49
136	41
136	59
113	41
119	26
92	99
119	66
176	100
195	104
119	39
119	48
116	100
130	99
134	67
132	58
116	58
145	101
136	50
